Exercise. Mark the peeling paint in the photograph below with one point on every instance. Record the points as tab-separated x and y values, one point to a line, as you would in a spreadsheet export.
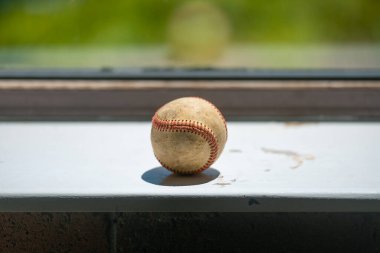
296	157
253	201
224	183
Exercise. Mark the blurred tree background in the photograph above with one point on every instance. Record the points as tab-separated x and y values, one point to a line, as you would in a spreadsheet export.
39	23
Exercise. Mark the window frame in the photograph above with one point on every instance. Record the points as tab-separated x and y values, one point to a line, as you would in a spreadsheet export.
108	73
109	94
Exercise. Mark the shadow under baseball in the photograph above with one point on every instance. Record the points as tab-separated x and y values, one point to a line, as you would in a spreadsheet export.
161	176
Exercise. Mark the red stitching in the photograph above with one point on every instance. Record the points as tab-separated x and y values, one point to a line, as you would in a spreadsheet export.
192	127
218	111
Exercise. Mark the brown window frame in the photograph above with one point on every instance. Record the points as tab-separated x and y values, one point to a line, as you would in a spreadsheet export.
54	98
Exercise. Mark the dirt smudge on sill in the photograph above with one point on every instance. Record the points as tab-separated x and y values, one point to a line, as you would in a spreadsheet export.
296	157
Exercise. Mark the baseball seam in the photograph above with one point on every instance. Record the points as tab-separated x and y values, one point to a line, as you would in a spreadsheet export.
218	111
191	127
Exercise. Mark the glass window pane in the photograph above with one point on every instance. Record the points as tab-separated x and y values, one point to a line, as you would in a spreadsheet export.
277	34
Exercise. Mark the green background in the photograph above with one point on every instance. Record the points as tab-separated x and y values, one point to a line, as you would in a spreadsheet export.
65	22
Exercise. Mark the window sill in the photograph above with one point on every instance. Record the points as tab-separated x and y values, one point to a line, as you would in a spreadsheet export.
265	167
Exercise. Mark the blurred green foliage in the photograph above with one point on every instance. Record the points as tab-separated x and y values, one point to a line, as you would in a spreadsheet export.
131	22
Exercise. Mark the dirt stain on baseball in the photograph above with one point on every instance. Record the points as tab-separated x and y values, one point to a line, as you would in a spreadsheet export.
296	157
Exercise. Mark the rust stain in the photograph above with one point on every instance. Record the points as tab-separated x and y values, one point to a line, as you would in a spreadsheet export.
296	157
298	123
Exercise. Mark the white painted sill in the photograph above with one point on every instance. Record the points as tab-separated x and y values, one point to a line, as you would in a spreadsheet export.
265	167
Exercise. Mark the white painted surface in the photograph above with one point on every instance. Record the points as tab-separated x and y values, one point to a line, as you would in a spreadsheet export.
100	167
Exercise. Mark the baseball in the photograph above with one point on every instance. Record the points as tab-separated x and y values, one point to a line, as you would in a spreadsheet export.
188	135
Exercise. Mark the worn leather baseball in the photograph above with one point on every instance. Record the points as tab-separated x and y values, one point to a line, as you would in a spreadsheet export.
188	135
